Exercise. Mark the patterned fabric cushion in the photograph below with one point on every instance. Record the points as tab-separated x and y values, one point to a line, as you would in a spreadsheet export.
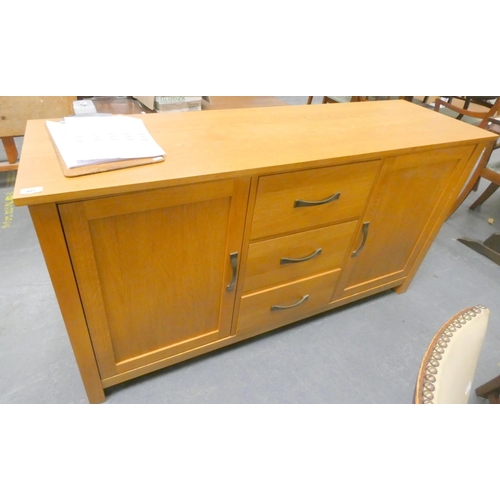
447	370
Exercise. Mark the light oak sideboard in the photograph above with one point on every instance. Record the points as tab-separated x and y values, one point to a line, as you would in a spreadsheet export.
257	218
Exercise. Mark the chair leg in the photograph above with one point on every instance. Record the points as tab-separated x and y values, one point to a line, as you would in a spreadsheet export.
483	161
486	194
490	390
493	399
10	149
310	99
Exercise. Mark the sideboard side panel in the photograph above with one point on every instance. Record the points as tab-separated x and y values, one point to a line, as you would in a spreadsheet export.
51	237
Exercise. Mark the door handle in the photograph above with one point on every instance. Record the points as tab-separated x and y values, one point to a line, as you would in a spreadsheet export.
233	257
364	232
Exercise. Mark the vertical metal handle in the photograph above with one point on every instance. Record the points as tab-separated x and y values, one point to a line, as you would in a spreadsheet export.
233	257
304	203
364	232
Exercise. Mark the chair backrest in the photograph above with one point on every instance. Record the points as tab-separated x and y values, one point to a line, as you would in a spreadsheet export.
372	98
449	364
480	115
15	111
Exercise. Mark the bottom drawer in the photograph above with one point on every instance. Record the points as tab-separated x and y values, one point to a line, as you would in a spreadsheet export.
284	304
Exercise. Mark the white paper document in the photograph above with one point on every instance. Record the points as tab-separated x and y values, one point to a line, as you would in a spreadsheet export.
90	140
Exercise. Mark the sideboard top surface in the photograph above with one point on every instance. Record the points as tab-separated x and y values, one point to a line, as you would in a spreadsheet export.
204	146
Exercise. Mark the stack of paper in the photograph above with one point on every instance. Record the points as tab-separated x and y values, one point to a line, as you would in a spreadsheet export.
93	140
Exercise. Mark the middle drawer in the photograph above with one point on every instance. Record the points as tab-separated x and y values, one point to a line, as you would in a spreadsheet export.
286	258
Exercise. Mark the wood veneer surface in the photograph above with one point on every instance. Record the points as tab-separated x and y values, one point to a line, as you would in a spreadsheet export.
225	143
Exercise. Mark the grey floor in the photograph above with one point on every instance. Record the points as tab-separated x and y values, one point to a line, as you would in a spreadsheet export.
367	352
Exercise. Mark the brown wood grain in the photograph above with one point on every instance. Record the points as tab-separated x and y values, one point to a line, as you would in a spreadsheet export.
153	273
256	314
50	235
411	189
208	146
264	266
140	258
277	194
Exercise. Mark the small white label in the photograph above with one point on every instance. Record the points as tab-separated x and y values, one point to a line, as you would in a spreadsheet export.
38	189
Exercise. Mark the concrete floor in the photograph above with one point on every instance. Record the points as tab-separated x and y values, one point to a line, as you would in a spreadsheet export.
367	352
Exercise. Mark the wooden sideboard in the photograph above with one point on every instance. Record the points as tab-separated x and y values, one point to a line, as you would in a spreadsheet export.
256	219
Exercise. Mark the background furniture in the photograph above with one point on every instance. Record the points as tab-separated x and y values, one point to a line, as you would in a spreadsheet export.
487	169
482	119
490	390
248	225
119	105
340	99
490	247
482	101
449	364
232	102
490	171
16	111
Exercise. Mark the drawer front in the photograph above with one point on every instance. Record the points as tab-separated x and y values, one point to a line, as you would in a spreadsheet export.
288	258
300	200
284	304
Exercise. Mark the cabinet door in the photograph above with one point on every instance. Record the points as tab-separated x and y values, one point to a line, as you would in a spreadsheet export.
153	269
412	192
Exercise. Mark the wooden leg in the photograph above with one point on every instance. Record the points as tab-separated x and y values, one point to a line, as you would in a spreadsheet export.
486	194
310	99
490	390
494	399
53	243
483	161
489	248
10	149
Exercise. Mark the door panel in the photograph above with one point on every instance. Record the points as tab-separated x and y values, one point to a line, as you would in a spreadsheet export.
153	275
411	188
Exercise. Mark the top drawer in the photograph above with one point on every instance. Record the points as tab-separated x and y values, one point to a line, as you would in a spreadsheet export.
299	200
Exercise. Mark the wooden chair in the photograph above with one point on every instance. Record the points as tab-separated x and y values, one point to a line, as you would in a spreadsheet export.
342	99
490	391
331	99
484	101
373	98
485	169
447	369
16	111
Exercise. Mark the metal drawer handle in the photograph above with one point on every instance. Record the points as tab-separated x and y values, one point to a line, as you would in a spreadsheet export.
364	232
280	308
286	260
233	257
304	203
